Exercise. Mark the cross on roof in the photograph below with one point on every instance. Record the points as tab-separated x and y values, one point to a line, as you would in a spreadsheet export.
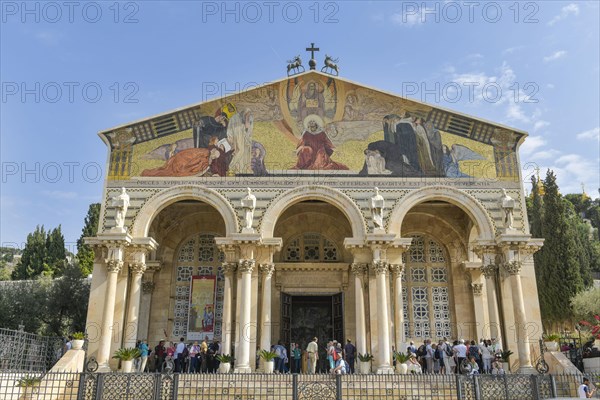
312	63
312	50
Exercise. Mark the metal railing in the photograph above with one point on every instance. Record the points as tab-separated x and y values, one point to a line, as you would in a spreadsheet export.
26	352
148	386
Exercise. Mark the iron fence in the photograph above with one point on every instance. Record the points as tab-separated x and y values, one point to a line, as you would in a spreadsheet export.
28	386
26	352
148	386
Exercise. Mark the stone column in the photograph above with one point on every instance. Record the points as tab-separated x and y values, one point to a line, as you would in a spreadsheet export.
228	269
265	317
383	358
144	316
358	269
398	271
514	269
242	365
114	263
137	269
489	271
152	267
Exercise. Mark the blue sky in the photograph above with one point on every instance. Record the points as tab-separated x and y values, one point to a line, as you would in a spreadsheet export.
69	71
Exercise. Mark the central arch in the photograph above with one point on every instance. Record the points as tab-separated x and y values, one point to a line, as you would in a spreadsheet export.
314	192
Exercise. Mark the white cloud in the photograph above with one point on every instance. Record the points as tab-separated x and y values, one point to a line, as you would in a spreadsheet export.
590	134
511	50
571	171
515	112
555	56
531	144
48	38
550	86
499	89
412	17
571	9
539	125
544	154
59	194
580	168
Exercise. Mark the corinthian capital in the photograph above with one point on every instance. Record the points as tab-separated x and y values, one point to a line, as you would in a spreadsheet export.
267	269
147	287
489	271
137	268
513	267
358	268
477	288
380	267
397	269
229	268
246	265
113	265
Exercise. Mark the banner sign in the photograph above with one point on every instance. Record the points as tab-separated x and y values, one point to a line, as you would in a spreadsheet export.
201	322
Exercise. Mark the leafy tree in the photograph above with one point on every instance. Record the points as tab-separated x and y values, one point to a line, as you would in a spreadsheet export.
85	254
586	304
581	203
66	305
23	303
5	271
46	306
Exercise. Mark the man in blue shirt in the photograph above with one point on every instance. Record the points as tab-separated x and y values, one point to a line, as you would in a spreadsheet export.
144	349
350	354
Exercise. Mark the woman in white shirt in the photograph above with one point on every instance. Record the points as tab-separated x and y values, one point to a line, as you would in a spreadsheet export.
486	356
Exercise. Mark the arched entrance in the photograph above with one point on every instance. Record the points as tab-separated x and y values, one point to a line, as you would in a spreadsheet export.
311	273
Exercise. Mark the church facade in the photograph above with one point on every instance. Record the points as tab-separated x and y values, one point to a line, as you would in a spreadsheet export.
313	206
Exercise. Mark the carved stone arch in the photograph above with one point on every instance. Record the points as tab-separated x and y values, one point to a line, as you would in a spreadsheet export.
174	194
441	231
313	192
473	208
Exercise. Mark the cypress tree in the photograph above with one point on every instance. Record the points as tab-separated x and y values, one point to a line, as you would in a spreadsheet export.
558	258
34	257
56	253
85	254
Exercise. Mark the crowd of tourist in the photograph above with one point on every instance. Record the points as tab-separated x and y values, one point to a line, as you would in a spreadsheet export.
457	357
334	358
444	357
185	357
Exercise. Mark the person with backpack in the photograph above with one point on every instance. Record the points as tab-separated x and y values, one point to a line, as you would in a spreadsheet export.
448	356
429	357
421	353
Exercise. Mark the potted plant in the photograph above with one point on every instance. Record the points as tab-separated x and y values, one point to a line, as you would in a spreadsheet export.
365	362
78	340
29	385
225	361
401	360
268	357
551	341
504	355
127	355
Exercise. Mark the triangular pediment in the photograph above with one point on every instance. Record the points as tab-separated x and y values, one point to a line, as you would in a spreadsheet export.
313	123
